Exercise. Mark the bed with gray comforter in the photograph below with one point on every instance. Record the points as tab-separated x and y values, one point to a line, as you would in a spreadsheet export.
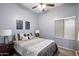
36	47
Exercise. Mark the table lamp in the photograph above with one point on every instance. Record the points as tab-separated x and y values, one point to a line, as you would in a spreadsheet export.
5	34
37	33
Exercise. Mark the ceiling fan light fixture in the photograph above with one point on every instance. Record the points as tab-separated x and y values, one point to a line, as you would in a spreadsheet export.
44	6
41	7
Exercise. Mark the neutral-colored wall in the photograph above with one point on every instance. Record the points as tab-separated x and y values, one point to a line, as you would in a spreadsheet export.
9	13
47	24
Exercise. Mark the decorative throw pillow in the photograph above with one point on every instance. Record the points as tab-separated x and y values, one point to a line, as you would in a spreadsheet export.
21	35
31	36
25	37
28	36
16	37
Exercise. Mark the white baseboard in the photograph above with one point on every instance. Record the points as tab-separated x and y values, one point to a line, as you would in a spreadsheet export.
66	48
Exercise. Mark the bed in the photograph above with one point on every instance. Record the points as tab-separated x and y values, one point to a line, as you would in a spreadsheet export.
36	47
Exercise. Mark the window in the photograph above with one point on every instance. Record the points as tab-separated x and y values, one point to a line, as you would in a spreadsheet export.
65	28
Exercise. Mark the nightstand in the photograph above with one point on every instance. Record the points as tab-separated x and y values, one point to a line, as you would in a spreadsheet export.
6	49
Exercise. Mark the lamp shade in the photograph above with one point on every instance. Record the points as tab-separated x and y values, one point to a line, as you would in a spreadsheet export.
37	31
5	32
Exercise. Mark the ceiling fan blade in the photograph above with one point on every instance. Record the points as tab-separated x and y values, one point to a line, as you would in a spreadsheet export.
34	7
52	5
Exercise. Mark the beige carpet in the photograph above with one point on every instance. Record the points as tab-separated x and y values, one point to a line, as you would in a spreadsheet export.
65	52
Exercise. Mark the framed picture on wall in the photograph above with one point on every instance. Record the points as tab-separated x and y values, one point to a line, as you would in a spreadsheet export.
27	25
19	24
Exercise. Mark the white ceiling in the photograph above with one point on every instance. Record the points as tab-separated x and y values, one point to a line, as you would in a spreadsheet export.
37	10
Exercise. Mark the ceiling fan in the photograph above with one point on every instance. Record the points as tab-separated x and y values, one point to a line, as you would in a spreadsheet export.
42	6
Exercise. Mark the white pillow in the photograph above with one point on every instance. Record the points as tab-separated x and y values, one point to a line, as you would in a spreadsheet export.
21	35
31	36
16	37
24	38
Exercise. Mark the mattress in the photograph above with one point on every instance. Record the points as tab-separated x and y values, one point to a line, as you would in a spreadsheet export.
35	47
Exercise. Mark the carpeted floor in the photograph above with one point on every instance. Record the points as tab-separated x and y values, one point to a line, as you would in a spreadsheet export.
65	52
61	52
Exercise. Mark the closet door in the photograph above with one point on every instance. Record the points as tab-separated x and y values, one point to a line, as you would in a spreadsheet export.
59	28
69	29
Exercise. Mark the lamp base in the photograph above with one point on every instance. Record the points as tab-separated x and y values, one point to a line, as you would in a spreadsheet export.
37	34
5	37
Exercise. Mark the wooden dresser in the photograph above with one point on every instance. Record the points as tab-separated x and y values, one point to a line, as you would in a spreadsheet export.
6	49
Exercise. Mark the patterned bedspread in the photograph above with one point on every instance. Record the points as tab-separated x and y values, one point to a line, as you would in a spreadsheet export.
36	47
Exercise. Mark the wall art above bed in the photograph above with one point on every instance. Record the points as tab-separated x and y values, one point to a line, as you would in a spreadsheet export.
27	25
19	24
